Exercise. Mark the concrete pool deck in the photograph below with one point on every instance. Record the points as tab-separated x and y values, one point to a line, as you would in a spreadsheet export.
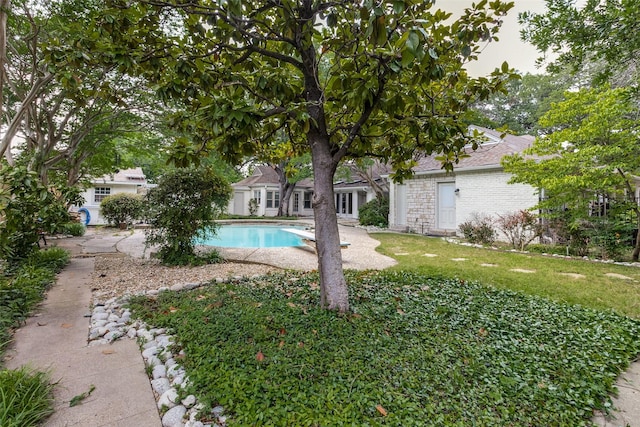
361	254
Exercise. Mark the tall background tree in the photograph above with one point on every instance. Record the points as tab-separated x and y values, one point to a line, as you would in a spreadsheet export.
60	114
349	78
602	37
524	103
588	163
63	116
598	42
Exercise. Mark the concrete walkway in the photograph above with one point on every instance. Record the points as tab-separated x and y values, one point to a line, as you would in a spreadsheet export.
55	338
626	403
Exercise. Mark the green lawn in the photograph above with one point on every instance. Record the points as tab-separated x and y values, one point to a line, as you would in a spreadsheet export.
554	278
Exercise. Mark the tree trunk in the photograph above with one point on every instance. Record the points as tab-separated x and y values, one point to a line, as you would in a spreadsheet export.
636	249
286	189
5	7
334	294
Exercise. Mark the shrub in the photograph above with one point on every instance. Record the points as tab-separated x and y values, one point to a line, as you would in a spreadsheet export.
521	228
28	207
479	229
122	208
73	228
253	207
375	212
182	208
611	237
26	398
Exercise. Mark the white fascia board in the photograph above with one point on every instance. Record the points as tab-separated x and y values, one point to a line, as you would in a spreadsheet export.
470	169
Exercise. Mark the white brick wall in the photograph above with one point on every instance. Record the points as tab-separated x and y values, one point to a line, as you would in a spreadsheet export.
484	192
488	192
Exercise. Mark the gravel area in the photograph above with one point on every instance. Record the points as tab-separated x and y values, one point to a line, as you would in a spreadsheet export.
123	275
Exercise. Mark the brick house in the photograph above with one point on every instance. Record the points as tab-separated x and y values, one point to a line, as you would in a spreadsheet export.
436	202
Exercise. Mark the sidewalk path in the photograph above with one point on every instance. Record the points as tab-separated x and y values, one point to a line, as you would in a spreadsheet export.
55	338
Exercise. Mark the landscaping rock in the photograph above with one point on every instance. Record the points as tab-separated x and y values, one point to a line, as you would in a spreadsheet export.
189	401
173	417
151	351
168	398
160	385
159	371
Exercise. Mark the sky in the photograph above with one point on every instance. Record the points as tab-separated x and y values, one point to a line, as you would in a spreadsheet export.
518	54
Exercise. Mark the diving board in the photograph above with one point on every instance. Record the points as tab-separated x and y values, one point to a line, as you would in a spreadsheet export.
310	238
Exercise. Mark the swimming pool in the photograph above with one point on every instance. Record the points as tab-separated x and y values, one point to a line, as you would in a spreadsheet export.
252	236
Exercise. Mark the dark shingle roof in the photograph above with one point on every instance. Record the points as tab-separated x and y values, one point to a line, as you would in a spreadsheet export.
487	155
261	175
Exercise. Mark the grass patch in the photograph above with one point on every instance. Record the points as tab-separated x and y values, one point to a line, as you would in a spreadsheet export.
416	351
26	398
575	281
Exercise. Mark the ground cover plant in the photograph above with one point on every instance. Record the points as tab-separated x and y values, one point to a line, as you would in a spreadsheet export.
25	396
23	286
576	281
415	350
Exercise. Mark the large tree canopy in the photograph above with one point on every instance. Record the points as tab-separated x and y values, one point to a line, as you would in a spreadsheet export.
601	34
66	118
592	152
350	79
526	100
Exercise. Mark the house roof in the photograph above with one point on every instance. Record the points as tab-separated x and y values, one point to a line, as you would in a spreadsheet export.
356	183
133	176
266	175
377	170
488	154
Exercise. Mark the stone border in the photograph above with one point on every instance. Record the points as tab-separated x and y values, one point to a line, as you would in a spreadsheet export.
111	320
577	258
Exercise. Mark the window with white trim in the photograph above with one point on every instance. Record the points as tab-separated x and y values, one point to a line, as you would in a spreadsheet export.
273	199
307	199
257	195
100	193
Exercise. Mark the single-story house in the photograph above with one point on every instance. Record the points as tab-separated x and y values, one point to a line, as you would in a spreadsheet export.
436	202
351	194
131	181
263	187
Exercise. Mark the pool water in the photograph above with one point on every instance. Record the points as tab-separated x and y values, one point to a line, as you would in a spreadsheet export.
252	236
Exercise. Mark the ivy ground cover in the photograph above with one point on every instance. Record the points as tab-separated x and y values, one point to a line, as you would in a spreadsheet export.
415	351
